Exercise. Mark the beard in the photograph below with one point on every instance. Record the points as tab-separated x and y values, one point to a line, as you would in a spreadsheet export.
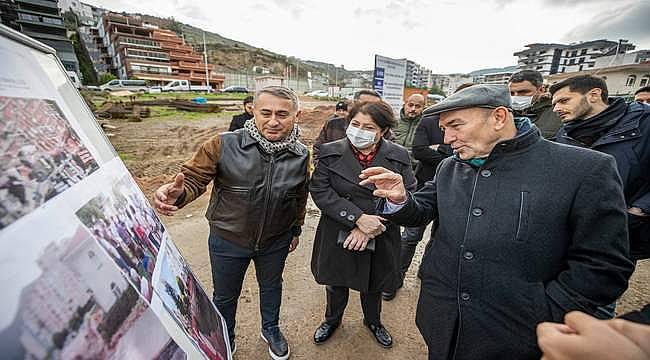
581	111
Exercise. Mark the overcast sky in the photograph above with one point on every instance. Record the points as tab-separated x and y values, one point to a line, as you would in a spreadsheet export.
446	36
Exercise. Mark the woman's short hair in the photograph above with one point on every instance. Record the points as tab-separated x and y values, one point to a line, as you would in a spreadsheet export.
379	111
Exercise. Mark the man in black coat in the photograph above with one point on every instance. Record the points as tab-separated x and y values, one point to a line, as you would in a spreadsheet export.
528	231
238	121
609	125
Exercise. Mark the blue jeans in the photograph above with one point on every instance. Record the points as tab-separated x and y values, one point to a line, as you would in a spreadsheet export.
229	263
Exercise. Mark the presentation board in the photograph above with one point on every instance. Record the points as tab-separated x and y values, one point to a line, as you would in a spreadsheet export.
87	268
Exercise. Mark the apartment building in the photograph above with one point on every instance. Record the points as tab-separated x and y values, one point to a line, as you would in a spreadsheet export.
140	50
553	58
41	20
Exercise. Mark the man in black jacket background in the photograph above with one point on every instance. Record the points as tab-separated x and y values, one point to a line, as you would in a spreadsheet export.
238	121
609	125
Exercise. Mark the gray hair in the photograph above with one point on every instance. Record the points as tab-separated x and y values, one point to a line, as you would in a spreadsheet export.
281	92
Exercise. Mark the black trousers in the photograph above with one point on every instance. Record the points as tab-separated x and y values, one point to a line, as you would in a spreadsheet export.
411	236
337	300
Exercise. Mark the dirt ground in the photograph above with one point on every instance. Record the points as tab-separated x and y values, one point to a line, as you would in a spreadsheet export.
153	151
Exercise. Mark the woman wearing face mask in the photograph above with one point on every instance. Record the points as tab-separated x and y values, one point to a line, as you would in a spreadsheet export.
354	248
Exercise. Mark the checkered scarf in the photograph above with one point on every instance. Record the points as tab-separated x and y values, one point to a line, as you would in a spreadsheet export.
272	147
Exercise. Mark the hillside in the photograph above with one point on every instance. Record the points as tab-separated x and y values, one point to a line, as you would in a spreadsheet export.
236	56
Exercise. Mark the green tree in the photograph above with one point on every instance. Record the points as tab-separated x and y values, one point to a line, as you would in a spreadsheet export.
106	77
435	89
85	63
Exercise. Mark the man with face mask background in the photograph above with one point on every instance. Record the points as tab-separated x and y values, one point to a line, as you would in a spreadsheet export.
592	120
530	100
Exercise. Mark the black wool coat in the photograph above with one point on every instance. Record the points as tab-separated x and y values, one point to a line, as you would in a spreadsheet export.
537	231
336	192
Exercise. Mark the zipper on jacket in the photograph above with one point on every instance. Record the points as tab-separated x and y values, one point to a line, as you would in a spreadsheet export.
267	194
462	246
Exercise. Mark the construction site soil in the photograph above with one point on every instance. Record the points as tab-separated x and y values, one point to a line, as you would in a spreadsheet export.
153	151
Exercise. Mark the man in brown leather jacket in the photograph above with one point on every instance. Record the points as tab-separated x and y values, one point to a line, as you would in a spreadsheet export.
257	205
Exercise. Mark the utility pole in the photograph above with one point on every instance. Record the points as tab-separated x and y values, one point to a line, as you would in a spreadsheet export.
205	60
298	76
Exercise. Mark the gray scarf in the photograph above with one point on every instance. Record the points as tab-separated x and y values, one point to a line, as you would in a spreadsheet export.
272	147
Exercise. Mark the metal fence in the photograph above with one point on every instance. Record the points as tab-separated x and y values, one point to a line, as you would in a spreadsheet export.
248	80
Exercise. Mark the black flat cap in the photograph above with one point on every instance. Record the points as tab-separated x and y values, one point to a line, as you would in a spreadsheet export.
488	96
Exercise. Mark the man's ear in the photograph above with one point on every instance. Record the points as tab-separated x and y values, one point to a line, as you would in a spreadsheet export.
298	113
500	116
594	95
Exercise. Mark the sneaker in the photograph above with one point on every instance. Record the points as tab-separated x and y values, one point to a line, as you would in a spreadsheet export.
278	346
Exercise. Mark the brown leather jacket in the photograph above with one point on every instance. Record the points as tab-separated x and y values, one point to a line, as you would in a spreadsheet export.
256	197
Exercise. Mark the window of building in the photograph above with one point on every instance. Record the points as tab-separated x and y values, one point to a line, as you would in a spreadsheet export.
563	68
54	21
564	63
582	60
539	67
580	68
29	17
591	65
574	53
631	80
583	52
644	81
572	62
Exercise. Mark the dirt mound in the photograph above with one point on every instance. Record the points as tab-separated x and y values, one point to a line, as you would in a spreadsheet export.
312	121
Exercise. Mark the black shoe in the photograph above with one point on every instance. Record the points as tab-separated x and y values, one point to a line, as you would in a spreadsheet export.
324	331
388	295
278	346
381	334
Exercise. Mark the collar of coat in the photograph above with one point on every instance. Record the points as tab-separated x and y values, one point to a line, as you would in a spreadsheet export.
344	162
296	148
527	135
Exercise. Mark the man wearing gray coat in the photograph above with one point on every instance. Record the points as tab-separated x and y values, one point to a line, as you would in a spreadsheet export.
528	231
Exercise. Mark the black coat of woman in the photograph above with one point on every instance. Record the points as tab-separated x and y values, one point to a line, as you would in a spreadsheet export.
336	191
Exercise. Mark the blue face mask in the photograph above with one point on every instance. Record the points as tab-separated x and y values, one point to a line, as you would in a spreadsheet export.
360	138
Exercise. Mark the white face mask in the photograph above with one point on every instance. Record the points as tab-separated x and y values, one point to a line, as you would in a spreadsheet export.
521	102
360	138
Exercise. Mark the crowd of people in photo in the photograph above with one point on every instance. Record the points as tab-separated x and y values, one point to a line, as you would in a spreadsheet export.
42	156
130	231
537	196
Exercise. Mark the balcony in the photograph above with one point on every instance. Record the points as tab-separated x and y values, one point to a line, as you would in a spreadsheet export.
197	66
174	55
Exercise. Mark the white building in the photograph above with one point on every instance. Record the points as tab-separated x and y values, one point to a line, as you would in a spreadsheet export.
621	80
540	57
636	57
552	58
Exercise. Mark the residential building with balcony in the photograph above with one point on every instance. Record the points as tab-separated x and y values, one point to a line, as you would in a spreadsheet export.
41	20
140	50
550	59
544	58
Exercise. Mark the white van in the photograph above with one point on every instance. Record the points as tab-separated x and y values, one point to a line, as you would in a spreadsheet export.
132	85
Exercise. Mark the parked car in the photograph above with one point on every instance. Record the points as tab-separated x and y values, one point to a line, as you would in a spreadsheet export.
74	78
131	85
235	89
319	93
184	85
